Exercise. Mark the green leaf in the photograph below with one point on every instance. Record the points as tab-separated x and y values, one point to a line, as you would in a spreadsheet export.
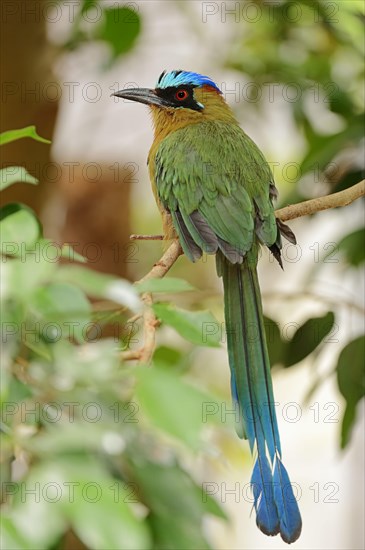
86	5
100	514
307	338
34	516
28	131
324	148
120	29
176	522
167	284
199	327
108	523
351	383
13	538
68	252
20	276
161	483
353	247
174	534
78	491
167	357
211	505
52	252
341	102
172	405
19	229
91	282
18	391
15	174
100	285
57	305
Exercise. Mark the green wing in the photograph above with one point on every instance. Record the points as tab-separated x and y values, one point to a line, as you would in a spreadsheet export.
217	186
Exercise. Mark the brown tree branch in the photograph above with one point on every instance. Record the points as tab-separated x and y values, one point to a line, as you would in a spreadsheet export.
342	198
150	322
159	270
149	330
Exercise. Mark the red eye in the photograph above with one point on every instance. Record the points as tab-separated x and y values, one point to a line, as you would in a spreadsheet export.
181	95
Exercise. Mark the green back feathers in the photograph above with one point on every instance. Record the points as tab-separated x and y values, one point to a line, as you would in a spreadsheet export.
216	169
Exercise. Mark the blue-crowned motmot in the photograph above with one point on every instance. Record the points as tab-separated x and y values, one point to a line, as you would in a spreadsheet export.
215	191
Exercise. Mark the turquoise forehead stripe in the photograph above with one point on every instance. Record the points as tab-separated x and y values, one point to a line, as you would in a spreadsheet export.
179	78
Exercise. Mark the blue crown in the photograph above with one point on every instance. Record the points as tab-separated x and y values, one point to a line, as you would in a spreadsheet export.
179	78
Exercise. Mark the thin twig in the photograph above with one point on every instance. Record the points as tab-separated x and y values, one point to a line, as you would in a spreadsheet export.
130	355
159	270
146	237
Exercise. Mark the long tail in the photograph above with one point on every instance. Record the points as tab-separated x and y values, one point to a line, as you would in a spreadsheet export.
274	501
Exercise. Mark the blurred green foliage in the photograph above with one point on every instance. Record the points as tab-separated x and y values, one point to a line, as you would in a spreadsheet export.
306	339
351	382
96	435
352	247
118	26
312	51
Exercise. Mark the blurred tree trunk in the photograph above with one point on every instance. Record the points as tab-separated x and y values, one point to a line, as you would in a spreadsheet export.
97	221
94	215
26	61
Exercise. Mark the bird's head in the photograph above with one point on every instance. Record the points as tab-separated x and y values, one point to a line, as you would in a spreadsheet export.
181	98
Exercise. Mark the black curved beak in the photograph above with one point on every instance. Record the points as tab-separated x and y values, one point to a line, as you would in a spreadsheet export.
143	95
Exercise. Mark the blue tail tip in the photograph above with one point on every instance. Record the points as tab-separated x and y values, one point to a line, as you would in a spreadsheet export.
293	536
289	538
269	532
273	528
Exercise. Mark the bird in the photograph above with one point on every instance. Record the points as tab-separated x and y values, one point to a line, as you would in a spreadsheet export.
215	192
